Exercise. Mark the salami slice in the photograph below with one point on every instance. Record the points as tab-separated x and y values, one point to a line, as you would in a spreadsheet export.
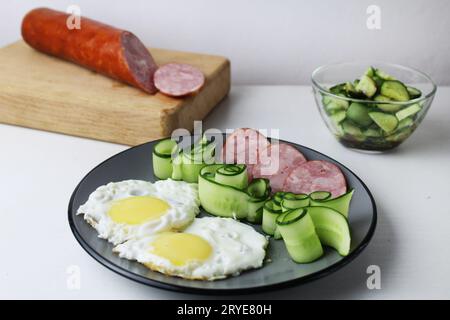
243	146
316	175
276	162
178	79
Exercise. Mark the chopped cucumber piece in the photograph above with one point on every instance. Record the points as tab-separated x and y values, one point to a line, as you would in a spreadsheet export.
387	107
367	86
339	88
414	93
399	135
383	75
232	175
387	122
332	228
359	114
352	130
395	90
407	112
299	235
338	117
373	133
370	72
405	123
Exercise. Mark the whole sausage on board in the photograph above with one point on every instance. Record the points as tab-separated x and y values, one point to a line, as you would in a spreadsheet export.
110	51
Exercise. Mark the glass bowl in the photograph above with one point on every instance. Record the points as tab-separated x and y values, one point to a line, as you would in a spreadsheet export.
368	135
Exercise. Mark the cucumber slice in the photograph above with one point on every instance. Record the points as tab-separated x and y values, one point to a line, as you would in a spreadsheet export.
359	114
269	218
408	112
383	75
414	93
373	133
339	88
395	90
320	195
331	227
350	129
387	107
338	117
162	158
370	72
294	201
299	235
341	204
405	123
385	121
229	201
259	192
400	135
336	104
367	86
232	175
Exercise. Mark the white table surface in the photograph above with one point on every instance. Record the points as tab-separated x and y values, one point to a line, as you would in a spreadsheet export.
39	170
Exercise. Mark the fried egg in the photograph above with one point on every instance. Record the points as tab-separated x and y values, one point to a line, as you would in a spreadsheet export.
130	209
209	249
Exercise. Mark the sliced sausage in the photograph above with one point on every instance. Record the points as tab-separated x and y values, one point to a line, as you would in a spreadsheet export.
316	175
276	162
178	79
112	52
243	146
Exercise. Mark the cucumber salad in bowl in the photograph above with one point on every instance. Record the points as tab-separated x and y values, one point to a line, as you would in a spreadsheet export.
376	111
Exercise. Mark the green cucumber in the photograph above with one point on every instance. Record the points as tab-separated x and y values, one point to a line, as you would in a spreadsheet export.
227	200
399	135
408	111
338	117
232	175
359	114
259	192
395	90
370	72
299	235
294	201
373	133
269	218
350	129
387	107
386	122
405	123
367	86
341	204
320	195
331	227
339	88
162	155
414	93
383	75
336	104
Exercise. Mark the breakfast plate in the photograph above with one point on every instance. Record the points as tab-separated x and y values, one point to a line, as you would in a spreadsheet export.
278	270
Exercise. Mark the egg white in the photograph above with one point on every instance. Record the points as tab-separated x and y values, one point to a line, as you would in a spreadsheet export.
182	198
235	247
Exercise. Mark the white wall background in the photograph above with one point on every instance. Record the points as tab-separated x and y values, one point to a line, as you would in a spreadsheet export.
274	42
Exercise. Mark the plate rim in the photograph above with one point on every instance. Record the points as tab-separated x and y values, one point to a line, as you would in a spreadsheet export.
237	291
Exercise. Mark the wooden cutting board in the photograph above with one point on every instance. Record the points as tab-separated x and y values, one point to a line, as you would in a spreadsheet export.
43	92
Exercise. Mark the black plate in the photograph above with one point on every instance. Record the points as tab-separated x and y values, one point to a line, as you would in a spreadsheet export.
280	271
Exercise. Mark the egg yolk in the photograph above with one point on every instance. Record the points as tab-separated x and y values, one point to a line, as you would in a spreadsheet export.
181	248
137	210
